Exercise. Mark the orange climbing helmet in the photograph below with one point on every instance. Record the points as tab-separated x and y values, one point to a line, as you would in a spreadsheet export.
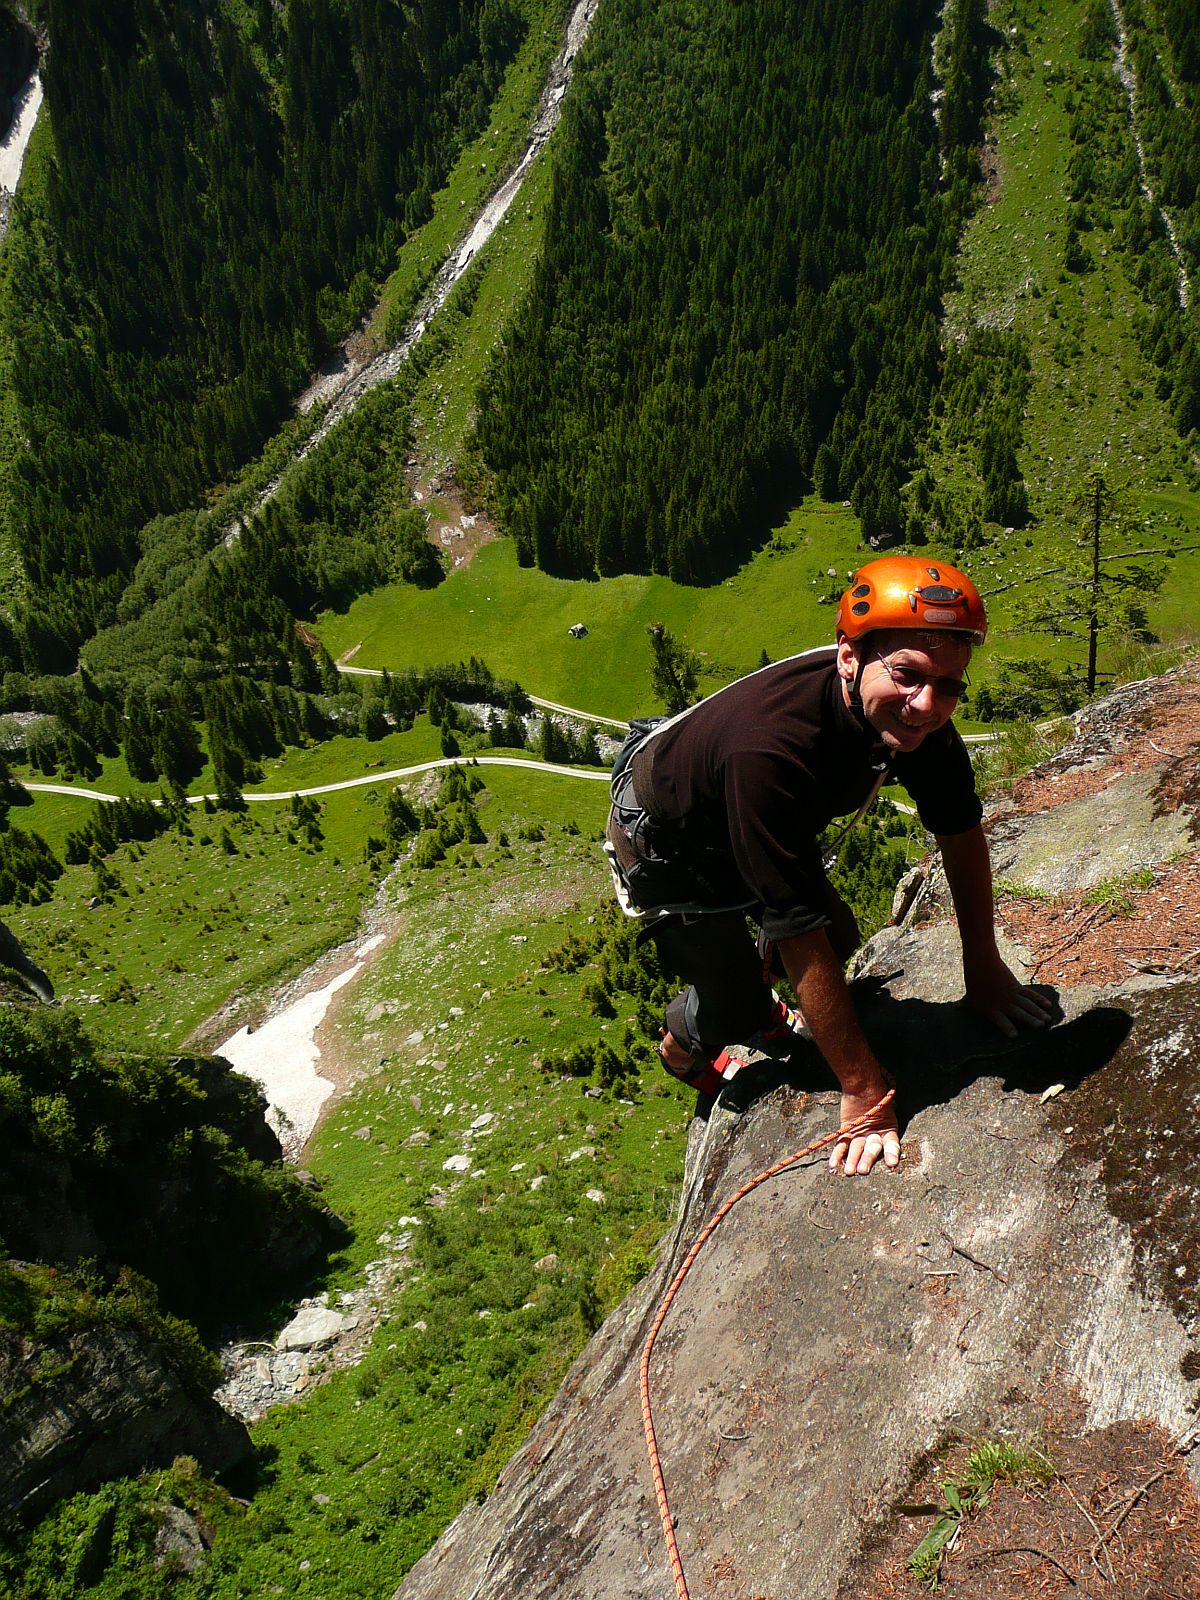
911	592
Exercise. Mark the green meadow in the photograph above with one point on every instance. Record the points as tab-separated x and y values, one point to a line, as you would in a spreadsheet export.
512	1262
242	902
517	618
501	1270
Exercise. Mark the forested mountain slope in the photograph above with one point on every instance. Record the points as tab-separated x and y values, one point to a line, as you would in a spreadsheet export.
937	263
751	244
746	246
223	199
752	232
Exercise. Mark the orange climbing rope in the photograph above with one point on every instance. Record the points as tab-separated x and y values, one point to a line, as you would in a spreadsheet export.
851	1130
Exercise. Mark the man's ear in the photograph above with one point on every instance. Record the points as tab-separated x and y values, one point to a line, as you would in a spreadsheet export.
847	660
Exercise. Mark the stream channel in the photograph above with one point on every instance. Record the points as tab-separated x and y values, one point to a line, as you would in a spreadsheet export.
27	102
282	1054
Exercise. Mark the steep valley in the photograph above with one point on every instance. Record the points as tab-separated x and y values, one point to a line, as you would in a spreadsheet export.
514	1177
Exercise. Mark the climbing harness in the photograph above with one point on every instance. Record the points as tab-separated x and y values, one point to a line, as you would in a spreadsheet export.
850	1131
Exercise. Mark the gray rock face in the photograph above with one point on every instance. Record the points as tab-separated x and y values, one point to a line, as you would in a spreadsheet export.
833	1331
1083	842
98	1405
806	1365
179	1544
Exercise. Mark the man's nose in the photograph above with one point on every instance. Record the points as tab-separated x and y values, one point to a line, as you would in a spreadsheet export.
923	700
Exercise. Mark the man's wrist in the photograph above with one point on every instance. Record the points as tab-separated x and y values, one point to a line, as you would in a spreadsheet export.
862	1083
980	952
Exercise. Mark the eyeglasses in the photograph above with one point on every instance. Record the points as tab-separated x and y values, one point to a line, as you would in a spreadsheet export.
910	680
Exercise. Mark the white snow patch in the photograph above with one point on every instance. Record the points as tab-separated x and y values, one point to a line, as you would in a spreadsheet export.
26	104
282	1057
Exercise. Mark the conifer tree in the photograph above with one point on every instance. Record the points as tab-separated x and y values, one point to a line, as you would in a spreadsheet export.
139	737
177	751
674	670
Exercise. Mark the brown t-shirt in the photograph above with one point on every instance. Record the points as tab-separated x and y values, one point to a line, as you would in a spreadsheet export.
740	786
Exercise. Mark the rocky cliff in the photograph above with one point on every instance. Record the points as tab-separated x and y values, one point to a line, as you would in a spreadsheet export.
154	1163
1031	1274
98	1403
134	1190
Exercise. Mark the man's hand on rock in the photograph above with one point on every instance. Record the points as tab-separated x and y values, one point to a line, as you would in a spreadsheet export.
999	995
856	1155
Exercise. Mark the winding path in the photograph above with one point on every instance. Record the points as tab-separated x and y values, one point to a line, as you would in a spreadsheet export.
394	774
546	705
252	796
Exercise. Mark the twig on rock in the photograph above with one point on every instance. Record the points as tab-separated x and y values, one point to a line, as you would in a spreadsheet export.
1027	1550
958	1340
974	1260
1095	1527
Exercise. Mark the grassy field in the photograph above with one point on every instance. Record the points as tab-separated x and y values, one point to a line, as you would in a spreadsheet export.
479	1333
554	1174
232	906
240	903
517	619
510	1264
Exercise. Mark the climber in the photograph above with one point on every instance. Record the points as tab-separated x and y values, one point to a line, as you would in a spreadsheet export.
717	814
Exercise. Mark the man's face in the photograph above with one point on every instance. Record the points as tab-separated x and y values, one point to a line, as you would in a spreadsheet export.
907	682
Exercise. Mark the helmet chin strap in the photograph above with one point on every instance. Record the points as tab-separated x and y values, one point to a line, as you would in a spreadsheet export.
855	688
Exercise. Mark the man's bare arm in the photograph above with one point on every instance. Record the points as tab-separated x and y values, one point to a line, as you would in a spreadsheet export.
824	998
992	987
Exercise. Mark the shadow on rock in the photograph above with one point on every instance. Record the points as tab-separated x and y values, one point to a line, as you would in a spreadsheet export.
934	1049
